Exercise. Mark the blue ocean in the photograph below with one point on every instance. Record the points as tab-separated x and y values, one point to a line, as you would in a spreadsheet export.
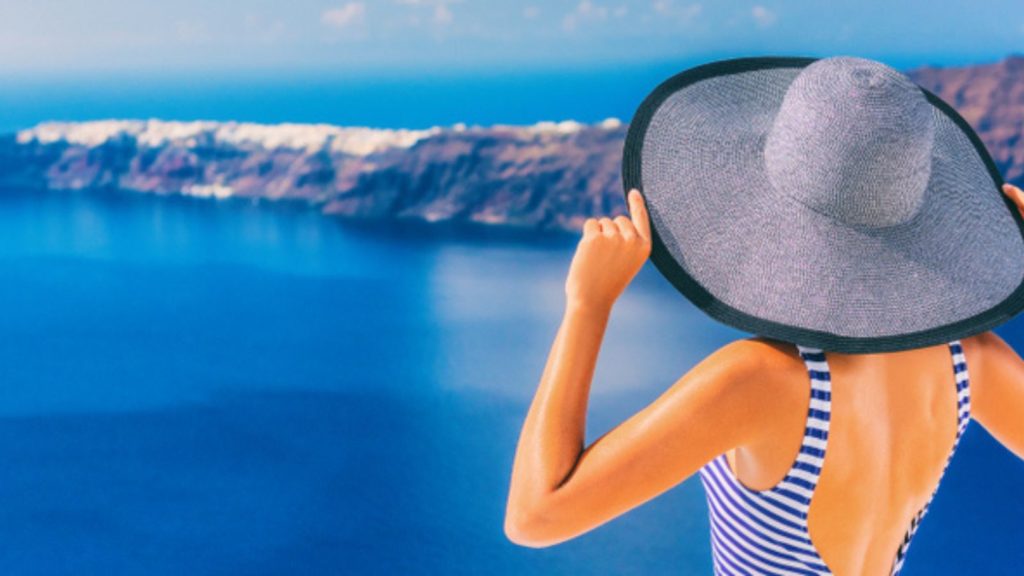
202	387
413	100
228	387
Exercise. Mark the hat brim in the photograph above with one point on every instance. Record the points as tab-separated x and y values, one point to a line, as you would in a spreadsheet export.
767	264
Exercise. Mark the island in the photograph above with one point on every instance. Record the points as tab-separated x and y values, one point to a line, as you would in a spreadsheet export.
550	175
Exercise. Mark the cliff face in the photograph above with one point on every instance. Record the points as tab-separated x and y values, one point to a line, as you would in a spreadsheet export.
524	177
543	176
991	98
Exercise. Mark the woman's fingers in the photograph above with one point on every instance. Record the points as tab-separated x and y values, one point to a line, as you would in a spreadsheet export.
625	226
634	226
1015	194
638	214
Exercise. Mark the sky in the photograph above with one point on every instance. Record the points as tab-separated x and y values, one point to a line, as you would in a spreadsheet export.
424	63
64	38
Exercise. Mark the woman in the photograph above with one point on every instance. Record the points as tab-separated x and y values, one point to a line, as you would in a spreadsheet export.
749	418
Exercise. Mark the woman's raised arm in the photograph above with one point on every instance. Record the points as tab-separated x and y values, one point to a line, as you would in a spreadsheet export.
559	488
997	376
996	373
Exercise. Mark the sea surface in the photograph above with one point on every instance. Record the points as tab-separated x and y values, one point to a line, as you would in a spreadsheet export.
199	387
411	100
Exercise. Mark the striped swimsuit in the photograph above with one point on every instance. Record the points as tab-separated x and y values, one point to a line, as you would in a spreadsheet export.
756	532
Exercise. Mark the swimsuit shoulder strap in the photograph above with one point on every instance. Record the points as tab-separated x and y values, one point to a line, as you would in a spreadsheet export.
963	387
806	468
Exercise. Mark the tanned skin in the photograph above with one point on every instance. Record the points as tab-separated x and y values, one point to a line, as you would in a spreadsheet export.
892	427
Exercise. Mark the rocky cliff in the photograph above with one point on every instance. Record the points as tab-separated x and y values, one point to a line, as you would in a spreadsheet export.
991	98
549	175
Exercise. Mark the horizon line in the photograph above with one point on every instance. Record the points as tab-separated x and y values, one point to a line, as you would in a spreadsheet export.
461	71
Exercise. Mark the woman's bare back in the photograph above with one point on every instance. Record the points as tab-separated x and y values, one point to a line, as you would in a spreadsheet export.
893	426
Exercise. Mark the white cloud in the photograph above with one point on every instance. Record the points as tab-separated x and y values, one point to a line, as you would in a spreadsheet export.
587	8
690	11
684	13
440	11
531	12
763	17
663	7
345	16
442	14
584	11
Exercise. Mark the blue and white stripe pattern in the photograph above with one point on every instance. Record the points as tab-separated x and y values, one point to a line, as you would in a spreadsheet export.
755	532
765	532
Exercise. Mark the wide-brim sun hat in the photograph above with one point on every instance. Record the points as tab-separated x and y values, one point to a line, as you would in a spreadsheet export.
830	202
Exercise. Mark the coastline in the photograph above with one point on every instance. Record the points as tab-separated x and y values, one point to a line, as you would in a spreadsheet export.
547	176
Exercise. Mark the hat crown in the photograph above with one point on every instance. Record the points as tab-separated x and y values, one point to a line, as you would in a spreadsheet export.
852	140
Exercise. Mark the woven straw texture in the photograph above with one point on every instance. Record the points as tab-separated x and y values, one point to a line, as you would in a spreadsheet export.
832	197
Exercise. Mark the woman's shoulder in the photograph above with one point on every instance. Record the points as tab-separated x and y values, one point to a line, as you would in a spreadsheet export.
767	382
984	347
760	353
763	369
989	359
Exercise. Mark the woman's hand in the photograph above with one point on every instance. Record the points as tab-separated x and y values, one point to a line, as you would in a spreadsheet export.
609	255
1015	194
